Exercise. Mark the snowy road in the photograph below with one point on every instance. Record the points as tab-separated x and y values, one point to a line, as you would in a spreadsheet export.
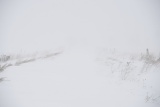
72	79
82	76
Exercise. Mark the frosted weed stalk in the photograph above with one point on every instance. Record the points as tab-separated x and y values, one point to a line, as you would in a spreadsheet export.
139	69
3	64
16	60
128	66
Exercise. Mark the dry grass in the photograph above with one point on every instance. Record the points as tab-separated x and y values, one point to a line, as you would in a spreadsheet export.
2	79
16	60
129	65
4	58
152	98
24	61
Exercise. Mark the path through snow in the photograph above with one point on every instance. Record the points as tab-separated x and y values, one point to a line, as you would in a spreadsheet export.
72	79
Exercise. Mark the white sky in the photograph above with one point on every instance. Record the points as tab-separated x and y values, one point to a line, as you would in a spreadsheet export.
47	24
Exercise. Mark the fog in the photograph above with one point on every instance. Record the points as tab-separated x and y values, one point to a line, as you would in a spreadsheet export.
34	25
80	72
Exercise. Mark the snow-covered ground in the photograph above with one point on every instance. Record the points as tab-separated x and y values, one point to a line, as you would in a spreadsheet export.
96	59
80	77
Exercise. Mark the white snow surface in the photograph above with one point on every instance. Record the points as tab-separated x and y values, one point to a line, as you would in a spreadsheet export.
80	77
85	74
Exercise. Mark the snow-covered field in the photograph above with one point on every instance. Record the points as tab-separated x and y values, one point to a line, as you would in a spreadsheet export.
81	78
79	53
